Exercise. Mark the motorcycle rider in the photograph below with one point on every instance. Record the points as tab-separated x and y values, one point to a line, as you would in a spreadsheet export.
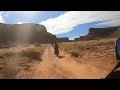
56	48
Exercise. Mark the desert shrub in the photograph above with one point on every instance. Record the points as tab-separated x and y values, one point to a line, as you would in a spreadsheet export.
31	53
74	54
6	54
37	45
10	69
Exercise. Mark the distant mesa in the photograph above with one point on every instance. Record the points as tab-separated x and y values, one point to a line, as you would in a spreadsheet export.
100	33
64	39
76	39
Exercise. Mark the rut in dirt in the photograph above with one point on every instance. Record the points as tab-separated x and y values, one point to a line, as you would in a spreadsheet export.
63	67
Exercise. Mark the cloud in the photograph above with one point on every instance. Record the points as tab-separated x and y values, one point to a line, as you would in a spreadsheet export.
115	22
69	20
22	22
72	38
1	18
15	16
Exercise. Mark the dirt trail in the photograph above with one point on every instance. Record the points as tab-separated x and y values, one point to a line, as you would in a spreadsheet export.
63	67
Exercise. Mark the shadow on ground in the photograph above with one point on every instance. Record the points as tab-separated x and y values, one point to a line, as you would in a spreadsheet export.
60	57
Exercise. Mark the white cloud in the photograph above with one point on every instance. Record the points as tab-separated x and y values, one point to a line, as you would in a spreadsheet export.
1	18
22	22
72	38
24	16
115	22
1	12
67	21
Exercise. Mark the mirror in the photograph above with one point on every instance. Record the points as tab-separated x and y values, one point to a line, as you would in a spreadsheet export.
118	49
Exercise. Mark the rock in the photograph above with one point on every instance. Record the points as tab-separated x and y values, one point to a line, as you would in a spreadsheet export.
25	33
64	39
101	33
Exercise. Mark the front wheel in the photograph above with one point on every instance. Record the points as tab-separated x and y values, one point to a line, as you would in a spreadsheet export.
56	53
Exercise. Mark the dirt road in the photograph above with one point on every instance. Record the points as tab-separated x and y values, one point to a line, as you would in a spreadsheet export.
63	67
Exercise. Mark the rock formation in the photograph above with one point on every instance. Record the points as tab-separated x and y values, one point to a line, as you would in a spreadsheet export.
101	33
64	39
25	33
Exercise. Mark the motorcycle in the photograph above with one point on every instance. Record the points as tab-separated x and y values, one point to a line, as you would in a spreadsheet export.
115	74
56	52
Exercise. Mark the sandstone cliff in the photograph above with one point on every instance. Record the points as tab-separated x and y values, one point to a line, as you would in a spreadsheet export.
25	33
101	33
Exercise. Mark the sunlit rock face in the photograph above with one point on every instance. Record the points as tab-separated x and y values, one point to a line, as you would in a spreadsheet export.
101	33
25	33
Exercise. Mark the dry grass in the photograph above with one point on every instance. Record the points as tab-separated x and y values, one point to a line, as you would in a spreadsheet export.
5	54
97	53
37	45
10	69
31	53
16	62
76	48
13	60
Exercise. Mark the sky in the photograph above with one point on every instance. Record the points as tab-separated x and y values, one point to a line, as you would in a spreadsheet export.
71	24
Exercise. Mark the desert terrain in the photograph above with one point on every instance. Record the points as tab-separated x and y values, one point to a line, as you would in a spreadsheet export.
92	59
26	53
